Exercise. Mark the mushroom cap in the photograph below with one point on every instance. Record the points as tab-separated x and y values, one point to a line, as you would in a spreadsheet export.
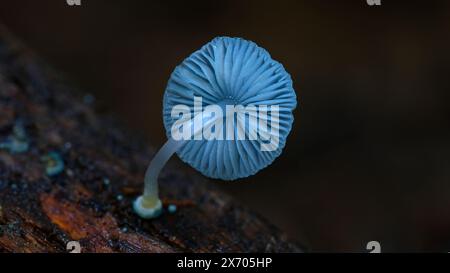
230	70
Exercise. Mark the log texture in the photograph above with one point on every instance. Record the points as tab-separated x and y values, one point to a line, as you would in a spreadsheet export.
44	205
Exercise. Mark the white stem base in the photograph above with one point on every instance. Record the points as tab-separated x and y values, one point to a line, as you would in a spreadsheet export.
147	213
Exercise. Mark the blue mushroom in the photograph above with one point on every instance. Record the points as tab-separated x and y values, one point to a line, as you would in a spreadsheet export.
17	142
54	164
227	112
172	208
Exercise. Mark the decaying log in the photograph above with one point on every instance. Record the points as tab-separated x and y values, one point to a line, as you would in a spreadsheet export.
44	204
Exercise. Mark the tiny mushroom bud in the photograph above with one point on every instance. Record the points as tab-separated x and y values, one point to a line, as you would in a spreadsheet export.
172	208
227	112
17	142
54	164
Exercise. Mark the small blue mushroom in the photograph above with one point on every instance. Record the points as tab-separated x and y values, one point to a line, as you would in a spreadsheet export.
106	181
17	142
172	208
223	73
54	164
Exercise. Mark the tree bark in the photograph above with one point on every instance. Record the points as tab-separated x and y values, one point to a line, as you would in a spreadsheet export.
44	205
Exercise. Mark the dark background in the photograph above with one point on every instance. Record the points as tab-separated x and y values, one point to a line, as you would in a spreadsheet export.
369	154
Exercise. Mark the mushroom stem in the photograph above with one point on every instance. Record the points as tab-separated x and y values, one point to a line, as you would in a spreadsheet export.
149	205
155	167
